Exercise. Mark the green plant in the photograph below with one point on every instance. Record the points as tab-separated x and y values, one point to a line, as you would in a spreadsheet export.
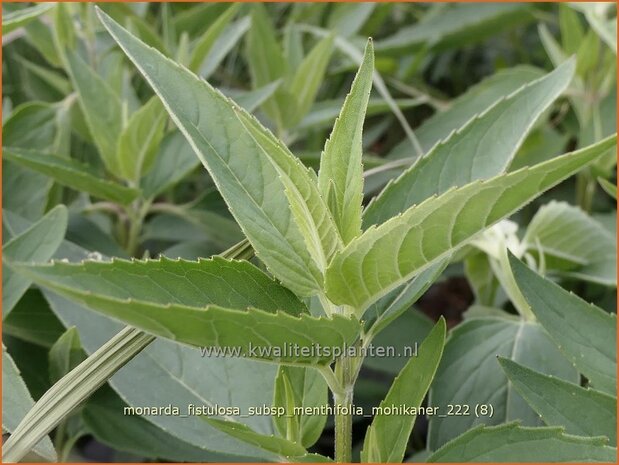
329	273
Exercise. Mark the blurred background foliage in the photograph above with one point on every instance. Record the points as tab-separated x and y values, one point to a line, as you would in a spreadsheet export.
81	128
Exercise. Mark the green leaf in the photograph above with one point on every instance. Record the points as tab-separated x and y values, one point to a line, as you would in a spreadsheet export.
382	312
552	47
572	32
324	113
184	301
484	147
40	37
280	446
588	53
217	281
205	43
102	109
481	278
104	418
387	437
405	335
63	30
390	254
174	161
474	101
341	169
32	363
457	25
306	81
287	451
65	354
514	443
570	239
580	411
32	320
271	209
252	99
308	208
140	139
585	333
265	60
346	19
31	126
55	80
472	347
37	244
71	173
224	44
601	21
301	388
19	18
226	381
16	402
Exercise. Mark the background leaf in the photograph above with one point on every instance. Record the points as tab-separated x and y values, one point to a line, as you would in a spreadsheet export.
479	380
36	244
70	173
387	436
458	24
65	354
514	443
482	148
308	389
572	241
101	107
585	333
580	411
140	139
17	401
21	17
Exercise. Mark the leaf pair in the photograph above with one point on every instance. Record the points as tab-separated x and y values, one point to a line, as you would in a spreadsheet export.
388	255
273	197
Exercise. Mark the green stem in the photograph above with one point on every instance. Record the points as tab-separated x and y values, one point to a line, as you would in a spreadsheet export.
346	372
585	190
63	455
59	439
343	429
503	272
136	219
